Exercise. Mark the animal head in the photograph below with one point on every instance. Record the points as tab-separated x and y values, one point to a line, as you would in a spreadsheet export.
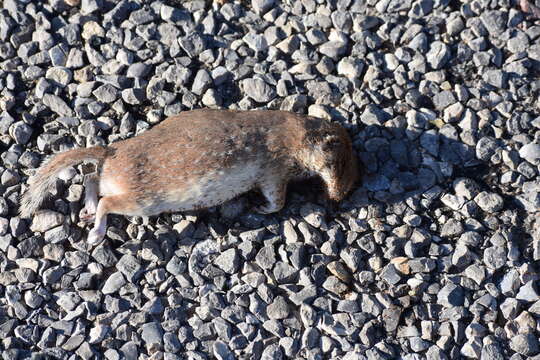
330	155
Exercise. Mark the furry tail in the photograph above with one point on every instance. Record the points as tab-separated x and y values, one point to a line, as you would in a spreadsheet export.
45	177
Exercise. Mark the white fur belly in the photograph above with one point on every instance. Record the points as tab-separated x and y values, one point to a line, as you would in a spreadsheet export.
209	190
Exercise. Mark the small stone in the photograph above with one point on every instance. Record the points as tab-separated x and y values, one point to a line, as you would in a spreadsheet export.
113	283
531	153
57	105
319	111
528	292
138	70
489	202
45	220
476	273
466	188
472	349
266	257
58	55
496	78
258	90
451	228
106	93
451	295
444	99
510	283
462	256
202	82
494	21
525	344
350	67
438	55
491	352
486	147
284	273
85	351
228	261
278	309
87	6
372	115
130	267
256	42
133	96
152	333
333	49
221	351
193	44
333	284
262	6
288	45
54	252
20	132
495	257
390	274
59	76
68	301
98	333
340	271
92	29
176	266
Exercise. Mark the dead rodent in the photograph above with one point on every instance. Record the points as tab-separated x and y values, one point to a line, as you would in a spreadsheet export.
203	158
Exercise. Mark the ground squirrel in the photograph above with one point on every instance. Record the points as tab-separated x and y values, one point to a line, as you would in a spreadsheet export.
202	158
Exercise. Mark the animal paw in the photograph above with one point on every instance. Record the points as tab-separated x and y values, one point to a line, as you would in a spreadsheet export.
95	236
266	209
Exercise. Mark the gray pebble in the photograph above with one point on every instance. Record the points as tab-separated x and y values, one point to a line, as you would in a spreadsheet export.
57	105
530	152
495	257
494	21
133	96
496	78
45	220
489	202
278	309
258	90
113	283
228	261
152	333
202	82
106	93
451	295
262	6
20	132
438	55
486	147
221	351
525	344
528	292
130	267
59	76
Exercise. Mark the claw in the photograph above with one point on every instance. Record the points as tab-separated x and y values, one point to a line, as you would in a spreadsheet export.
86	216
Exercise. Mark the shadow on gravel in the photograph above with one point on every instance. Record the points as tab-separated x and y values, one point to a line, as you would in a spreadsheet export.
400	163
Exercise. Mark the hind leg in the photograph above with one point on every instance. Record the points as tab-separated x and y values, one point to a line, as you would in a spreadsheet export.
274	191
90	198
117	204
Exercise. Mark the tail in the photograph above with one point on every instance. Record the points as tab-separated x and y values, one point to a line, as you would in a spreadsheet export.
45	177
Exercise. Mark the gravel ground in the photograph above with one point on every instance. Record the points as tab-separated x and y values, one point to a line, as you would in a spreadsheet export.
435	256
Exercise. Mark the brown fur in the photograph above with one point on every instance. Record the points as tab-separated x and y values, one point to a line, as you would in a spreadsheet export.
202	158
